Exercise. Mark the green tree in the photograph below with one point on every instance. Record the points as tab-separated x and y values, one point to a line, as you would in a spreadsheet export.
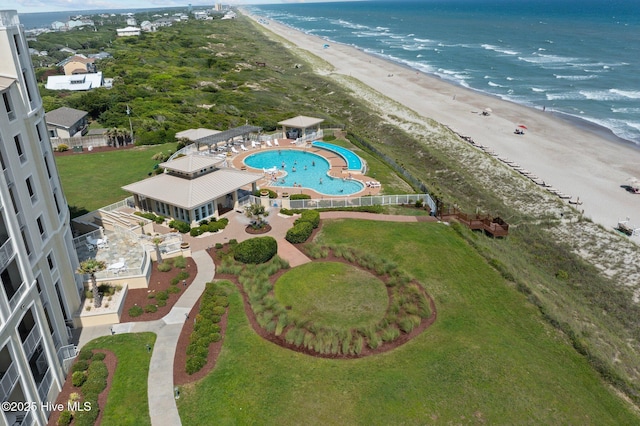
90	267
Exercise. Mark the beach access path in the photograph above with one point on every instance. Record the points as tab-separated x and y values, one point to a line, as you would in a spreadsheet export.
580	162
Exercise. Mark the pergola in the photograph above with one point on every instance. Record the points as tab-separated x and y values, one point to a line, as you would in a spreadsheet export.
226	136
302	123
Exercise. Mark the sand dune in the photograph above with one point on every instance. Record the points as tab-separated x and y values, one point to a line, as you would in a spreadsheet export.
578	161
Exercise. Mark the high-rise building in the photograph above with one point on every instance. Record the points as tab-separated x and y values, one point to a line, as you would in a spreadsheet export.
40	291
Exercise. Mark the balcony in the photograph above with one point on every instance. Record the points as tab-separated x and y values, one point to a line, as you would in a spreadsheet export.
45	385
8	381
17	296
31	342
6	253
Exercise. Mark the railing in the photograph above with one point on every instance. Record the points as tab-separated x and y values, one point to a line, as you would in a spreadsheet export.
375	200
80	241
127	202
32	340
17	296
45	385
66	355
6	253
8	380
310	137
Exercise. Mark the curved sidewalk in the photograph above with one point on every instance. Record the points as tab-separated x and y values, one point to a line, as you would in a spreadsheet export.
162	403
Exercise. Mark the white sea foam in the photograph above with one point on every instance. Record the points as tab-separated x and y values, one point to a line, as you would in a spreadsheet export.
576	77
626	110
421	40
498	49
631	94
538	90
492	84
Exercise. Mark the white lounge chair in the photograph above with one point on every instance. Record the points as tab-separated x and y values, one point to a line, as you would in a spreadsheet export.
253	144
275	142
90	247
244	148
234	150
269	144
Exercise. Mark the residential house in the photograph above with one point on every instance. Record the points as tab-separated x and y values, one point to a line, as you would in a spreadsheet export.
79	64
128	31
75	82
66	123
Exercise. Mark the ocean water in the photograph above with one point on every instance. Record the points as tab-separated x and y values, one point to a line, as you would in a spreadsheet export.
579	58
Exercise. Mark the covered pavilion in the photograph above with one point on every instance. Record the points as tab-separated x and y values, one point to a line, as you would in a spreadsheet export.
195	134
300	126
192	188
226	136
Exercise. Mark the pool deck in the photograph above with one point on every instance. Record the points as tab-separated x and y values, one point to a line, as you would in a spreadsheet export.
337	163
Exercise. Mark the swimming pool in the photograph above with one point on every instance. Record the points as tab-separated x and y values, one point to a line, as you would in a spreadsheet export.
353	161
302	168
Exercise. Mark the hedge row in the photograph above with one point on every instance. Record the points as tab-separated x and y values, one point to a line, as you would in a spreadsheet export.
180	226
256	250
150	216
90	375
213	226
303	227
206	330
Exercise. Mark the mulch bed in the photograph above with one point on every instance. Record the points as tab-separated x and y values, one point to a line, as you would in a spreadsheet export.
251	230
111	361
159	281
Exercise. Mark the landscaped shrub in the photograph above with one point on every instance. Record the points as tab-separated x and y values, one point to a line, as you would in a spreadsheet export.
299	197
162	295
85	355
164	267
182	275
151	308
299	233
80	365
311	216
62	147
135	311
150	216
198	230
180	226
65	418
256	250
78	378
99	356
180	262
272	194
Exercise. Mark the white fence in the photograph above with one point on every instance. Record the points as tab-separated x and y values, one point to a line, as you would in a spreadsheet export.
374	200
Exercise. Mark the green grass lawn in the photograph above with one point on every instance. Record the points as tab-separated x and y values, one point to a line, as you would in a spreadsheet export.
333	294
489	358
127	403
91	181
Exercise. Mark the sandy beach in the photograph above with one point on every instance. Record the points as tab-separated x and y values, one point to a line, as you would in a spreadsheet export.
572	158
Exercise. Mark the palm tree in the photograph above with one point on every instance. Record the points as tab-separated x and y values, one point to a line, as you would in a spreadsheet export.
257	212
156	243
90	267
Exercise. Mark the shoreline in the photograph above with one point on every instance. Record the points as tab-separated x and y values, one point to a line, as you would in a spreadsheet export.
576	156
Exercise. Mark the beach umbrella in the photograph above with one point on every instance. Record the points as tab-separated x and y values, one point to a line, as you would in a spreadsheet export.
488	110
522	126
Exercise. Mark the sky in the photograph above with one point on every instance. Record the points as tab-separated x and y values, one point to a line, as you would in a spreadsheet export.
31	6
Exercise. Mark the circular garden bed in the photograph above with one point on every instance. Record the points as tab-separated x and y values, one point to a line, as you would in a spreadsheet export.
345	304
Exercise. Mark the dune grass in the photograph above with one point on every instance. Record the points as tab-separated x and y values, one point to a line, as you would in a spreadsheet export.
127	403
490	357
91	181
333	294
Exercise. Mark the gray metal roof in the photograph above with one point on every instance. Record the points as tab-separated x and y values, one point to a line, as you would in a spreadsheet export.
64	117
191	163
228	135
191	193
301	122
195	134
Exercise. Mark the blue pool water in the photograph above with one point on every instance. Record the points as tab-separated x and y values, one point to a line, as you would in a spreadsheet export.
353	161
310	170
